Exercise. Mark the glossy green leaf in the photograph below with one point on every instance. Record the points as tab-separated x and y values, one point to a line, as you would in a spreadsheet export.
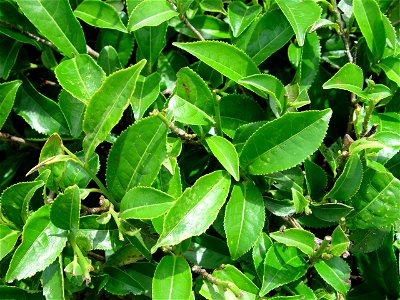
350	78
267	85
121	42
8	91
226	154
170	183
213	6
53	281
265	36
336	273
73	111
244	218
241	16
127	168
331	212
282	265
145	203
310	58
376	202
208	26
41	113
106	106
146	92
99	14
316	179
299	238
172	279
218	55
300	202
42	242
8	239
65	209
81	76
9	50
369	19
244	132
367	240
301	15
150	13
390	66
349	180
260	249
121	282
109	60
229	273
188	113
57	23
340	242
279	145
15	201
207	195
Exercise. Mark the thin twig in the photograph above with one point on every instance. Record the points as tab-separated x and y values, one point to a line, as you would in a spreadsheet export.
96	256
15	139
342	32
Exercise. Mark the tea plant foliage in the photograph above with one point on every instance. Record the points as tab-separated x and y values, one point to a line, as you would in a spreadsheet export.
190	149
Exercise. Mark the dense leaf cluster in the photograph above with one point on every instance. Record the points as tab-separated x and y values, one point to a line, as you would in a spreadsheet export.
190	149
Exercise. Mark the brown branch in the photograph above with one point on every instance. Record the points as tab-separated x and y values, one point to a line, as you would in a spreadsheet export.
18	140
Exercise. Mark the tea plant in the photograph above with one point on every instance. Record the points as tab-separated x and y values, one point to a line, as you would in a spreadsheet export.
190	149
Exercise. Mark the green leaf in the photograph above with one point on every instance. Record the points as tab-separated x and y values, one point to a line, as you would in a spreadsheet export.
267	85
376	203
41	113
42	242
109	60
146	92
300	202
367	240
279	145
99	14
226	154
65	209
172	279
390	66
81	76
208	26
316	179
106	106
188	113
150	13
369	19
73	111
301	15
213	6
260	249
232	274
12	292
282	265
126	168
331	212
8	91
216	54
299	238
350	78
244	218
340	242
56	22
15	201
121	42
145	203
53	281
9	50
336	273
8	239
310	58
241	16
349	180
121	282
207	196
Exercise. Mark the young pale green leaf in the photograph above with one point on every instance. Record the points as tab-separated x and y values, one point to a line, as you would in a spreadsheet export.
107	105
244	218
336	273
217	292
340	242
73	111
41	113
8	91
172	279
145	203
265	36
299	201
260	249
390	66
109	60
81	76
15	201
225	58
301	15
369	19
65	209
266	85
146	92
150	13
331	212
207	196
279	145
9	50
41	243
226	154
282	265
350	78
99	14
376	203
188	113
127	168
56	22
53	280
299	238
151	40
8	238
230	273
349	180
241	16
316	179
